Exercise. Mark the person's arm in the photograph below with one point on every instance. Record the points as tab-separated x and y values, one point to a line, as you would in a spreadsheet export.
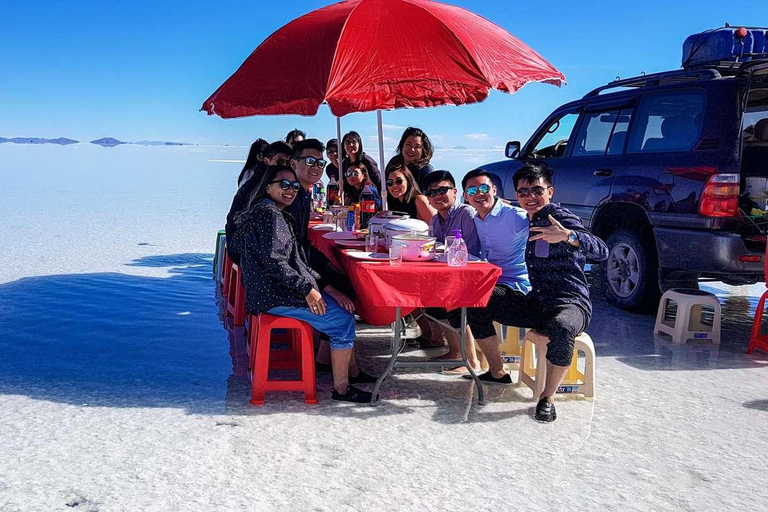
271	243
591	246
424	209
469	233
562	223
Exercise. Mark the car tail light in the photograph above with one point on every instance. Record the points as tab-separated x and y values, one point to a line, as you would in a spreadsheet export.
720	197
750	258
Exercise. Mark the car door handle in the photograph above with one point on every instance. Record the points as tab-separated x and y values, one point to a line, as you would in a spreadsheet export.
603	172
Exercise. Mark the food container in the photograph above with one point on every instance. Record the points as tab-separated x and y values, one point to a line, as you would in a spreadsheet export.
404	227
378	222
417	247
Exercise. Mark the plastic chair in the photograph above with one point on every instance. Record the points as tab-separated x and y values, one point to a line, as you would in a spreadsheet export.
221	242
226	270
533	367
759	341
236	296
303	360
510	342
681	316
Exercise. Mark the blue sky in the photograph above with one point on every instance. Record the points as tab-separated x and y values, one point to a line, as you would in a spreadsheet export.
141	70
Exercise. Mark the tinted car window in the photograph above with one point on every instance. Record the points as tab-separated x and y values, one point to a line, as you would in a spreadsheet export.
602	133
555	137
667	122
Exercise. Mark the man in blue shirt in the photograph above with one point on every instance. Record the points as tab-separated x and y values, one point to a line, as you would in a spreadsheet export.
558	304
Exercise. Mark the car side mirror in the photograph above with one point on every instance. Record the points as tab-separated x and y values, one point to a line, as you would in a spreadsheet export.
512	149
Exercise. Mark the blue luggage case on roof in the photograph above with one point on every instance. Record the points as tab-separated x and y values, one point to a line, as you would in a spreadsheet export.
725	44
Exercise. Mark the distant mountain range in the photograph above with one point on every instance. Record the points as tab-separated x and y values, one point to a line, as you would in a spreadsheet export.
37	140
107	142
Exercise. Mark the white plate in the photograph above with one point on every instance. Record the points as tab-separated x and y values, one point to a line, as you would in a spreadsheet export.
443	258
324	227
340	235
350	243
363	255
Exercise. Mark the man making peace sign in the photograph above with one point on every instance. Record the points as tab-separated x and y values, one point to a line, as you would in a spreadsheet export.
558	305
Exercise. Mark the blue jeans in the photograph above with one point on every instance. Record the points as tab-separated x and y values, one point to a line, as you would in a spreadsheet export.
337	323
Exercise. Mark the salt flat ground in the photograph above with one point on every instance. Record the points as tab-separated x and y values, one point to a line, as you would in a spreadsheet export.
122	389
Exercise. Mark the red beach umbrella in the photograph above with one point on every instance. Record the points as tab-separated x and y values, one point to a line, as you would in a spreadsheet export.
364	55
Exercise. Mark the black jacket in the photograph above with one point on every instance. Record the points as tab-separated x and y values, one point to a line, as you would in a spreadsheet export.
274	269
556	271
239	202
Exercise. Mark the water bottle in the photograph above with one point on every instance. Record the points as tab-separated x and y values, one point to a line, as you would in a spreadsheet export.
351	218
367	206
457	254
316	196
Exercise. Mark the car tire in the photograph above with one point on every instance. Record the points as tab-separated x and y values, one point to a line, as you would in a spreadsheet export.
630	275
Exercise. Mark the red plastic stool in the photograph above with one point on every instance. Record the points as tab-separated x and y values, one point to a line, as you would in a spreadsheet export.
226	270
236	296
304	357
756	340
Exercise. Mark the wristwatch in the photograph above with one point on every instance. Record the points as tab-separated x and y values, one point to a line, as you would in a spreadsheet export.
572	238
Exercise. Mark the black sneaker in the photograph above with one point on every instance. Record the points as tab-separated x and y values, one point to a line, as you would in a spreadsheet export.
488	378
353	394
363	378
545	411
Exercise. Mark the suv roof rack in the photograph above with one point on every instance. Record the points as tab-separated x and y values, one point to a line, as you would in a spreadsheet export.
666	77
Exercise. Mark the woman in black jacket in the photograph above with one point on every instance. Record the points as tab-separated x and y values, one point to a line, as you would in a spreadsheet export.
278	280
416	150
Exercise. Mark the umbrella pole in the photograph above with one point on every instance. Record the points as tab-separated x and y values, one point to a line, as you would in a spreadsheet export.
383	190
341	174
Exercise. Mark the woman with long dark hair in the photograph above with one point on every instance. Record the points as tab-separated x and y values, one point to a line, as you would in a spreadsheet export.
355	180
352	151
279	281
416	150
255	156
403	194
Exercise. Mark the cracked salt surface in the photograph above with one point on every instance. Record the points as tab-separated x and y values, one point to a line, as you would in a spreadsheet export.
120	389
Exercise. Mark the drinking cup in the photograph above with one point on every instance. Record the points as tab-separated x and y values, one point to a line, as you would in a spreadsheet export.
372	243
449	241
396	254
328	217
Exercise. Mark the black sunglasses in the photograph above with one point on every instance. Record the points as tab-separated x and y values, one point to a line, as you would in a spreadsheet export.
352	174
441	191
399	181
484	188
537	191
286	184
281	161
310	161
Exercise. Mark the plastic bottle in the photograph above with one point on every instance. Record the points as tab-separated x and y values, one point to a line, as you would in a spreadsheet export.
351	218
457	253
333	191
357	217
367	206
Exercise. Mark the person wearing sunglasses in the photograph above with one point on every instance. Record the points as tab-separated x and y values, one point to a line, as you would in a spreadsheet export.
274	154
352	153
279	281
308	163
559	304
355	178
404	194
452	215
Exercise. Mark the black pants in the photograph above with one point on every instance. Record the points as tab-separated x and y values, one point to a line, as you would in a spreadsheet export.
561	323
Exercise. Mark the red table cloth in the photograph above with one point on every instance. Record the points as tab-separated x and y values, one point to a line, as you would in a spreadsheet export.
381	287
